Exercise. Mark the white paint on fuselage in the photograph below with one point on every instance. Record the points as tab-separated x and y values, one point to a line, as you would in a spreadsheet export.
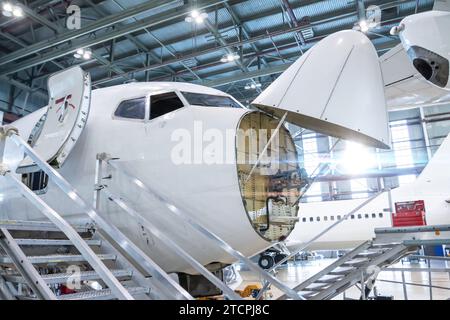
208	193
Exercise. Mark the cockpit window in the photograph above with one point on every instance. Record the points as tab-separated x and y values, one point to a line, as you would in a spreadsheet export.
208	100
131	109
161	104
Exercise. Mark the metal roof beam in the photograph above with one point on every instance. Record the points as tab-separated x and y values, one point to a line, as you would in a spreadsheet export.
222	47
73	34
38	18
119	32
24	87
268	71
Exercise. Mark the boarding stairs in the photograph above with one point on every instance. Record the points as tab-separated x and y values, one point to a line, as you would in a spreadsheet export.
362	264
34	264
38	261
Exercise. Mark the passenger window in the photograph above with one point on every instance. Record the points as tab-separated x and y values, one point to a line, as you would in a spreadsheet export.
160	104
304	219
325	218
366	216
332	218
318	218
131	109
311	219
374	215
339	217
353	216
359	216
380	214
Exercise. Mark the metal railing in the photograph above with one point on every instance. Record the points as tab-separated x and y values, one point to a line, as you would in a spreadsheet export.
158	233
214	238
162	280
428	270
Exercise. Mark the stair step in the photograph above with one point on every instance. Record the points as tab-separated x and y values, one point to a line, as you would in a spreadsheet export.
64	277
307	294
344	271
329	280
104	294
356	262
317	287
53	242
56	258
39	226
367	254
377	246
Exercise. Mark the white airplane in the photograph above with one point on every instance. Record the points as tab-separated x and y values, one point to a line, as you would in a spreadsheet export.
432	187
157	130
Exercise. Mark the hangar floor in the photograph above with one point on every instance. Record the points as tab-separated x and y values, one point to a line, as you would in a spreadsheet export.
296	272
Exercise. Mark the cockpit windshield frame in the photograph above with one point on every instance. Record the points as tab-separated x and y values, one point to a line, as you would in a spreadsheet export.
207	100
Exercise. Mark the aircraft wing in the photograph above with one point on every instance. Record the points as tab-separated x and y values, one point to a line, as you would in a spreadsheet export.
404	86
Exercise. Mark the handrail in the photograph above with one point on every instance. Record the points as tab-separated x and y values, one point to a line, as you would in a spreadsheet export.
170	243
205	232
320	234
162	280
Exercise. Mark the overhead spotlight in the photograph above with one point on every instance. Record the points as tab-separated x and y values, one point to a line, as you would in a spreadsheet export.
86	54
252	86
196	16
230	57
7	9
364	27
7	6
17	12
10	10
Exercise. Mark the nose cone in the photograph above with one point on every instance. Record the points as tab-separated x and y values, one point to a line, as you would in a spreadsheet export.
336	88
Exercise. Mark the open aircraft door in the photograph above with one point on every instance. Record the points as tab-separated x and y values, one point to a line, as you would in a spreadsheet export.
56	134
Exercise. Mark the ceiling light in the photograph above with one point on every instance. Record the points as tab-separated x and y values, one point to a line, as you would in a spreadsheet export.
196	16
83	53
363	26
17	12
87	54
252	85
10	10
230	57
7	7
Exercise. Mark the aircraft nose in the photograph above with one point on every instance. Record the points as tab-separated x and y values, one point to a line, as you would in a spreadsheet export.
269	175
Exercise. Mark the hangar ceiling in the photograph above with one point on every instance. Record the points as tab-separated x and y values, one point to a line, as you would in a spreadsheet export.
238	46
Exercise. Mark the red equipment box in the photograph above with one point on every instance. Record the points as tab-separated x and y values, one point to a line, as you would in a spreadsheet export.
409	213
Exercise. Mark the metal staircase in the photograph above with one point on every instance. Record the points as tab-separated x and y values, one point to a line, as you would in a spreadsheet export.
30	253
362	264
39	262
30	275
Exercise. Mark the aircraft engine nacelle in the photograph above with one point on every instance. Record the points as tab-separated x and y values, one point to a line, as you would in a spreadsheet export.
425	39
